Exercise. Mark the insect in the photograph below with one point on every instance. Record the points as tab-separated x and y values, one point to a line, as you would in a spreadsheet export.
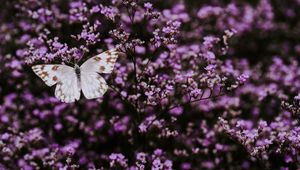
71	80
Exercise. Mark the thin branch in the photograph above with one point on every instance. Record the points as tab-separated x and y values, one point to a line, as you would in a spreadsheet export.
181	104
196	100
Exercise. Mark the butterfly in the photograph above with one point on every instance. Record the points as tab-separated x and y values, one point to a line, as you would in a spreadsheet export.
71	80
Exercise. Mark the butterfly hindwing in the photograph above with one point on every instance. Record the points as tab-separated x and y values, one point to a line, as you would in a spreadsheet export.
93	85
67	88
101	63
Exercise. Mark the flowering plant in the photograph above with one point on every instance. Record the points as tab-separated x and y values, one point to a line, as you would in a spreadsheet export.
203	85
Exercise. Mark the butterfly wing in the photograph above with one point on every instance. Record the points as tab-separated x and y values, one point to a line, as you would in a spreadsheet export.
67	88
102	63
92	84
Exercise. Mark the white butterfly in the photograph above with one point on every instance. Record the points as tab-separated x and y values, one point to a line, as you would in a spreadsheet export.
70	81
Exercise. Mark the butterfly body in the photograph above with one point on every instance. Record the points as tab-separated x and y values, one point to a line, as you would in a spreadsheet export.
77	70
70	81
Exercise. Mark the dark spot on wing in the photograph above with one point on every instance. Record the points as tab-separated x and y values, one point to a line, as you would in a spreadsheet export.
102	68
43	74
54	68
97	59
54	78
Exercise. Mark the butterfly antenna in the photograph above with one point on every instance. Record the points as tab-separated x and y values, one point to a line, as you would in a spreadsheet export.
74	60
69	61
77	60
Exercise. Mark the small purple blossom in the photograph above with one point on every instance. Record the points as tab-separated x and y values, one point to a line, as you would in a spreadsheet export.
117	159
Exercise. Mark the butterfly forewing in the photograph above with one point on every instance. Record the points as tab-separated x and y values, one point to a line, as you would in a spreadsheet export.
49	73
102	63
67	88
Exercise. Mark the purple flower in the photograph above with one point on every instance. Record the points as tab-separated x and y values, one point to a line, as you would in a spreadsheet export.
117	159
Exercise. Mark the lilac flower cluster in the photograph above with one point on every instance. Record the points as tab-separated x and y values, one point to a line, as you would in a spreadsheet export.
203	85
